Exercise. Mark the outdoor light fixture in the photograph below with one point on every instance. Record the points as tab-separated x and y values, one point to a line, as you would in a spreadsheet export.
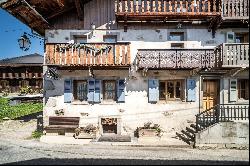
24	42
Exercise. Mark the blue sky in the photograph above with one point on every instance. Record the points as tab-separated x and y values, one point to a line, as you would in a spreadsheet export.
11	30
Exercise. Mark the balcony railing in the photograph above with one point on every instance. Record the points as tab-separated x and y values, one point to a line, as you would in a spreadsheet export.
94	54
145	9
176	58
232	55
235	9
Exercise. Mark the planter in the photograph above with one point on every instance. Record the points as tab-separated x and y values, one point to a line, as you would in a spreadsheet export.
148	133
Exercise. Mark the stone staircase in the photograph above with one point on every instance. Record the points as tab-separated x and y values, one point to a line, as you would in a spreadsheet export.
188	135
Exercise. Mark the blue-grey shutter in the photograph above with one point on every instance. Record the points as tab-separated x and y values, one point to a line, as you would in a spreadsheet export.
91	90
233	90
121	91
191	88
68	95
97	91
153	90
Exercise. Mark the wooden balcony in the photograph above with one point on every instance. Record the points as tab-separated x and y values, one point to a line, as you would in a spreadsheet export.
144	10
232	55
235	9
176	58
91	54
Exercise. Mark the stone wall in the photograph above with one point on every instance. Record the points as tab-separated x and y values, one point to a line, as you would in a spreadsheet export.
225	134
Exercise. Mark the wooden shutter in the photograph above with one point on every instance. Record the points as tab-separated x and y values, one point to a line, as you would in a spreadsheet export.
91	90
153	90
233	90
121	91
191	88
68	95
97	91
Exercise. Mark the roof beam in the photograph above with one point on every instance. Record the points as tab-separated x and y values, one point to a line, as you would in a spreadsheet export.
80	10
60	12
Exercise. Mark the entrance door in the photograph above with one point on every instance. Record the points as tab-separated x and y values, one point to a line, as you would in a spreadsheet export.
210	93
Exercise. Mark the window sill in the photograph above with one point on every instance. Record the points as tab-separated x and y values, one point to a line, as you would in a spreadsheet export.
80	103
108	103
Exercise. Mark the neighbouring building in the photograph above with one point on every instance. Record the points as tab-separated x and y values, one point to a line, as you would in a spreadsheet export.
134	61
20	72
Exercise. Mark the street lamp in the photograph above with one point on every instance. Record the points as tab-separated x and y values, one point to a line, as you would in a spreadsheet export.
24	42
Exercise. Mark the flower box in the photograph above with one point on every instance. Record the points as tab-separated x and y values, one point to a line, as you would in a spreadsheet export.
148	133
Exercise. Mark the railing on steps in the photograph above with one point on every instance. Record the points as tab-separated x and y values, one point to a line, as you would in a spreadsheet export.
221	113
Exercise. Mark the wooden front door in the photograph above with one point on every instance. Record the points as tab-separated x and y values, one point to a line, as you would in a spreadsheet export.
210	93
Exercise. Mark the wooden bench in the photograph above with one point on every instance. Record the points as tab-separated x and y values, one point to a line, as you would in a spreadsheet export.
62	125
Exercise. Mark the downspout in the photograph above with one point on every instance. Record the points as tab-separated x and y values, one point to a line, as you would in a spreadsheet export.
200	94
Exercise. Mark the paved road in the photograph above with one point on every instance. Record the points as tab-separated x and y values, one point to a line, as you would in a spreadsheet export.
33	152
16	147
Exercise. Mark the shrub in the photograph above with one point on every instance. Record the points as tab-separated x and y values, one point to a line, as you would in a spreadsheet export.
37	134
26	90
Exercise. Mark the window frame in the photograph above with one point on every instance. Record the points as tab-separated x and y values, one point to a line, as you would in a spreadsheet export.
75	91
240	90
182	90
182	36
104	91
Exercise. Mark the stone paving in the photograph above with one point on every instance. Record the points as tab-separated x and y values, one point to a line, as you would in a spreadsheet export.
17	147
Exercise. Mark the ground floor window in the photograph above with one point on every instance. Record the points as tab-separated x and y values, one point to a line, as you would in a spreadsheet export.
24	83
4	84
171	90
109	90
243	88
80	89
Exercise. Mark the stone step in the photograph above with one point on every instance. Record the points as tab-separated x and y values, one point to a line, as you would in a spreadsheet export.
114	138
182	137
188	135
190	130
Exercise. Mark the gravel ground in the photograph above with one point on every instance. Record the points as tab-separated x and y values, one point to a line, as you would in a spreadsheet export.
17	147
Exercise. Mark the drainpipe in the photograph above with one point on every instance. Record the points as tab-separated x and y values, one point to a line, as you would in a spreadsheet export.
200	93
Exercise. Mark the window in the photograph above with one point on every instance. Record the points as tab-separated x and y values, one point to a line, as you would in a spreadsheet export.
80	90
80	39
243	89
162	93
174	89
4	84
24	83
176	36
241	38
171	90
110	39
109	90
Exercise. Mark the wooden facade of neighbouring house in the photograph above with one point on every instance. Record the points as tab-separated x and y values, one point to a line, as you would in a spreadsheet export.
20	72
131	61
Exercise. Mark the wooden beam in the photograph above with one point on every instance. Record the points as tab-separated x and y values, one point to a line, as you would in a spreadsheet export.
60	12
80	10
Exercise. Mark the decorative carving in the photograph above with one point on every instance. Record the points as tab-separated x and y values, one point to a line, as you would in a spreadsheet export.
198	58
109	121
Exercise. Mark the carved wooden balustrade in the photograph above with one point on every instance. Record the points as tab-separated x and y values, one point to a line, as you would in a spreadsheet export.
176	58
232	55
91	54
155	9
235	9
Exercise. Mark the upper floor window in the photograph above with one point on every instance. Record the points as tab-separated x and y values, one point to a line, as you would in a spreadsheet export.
176	36
110	39
80	39
243	89
241	38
